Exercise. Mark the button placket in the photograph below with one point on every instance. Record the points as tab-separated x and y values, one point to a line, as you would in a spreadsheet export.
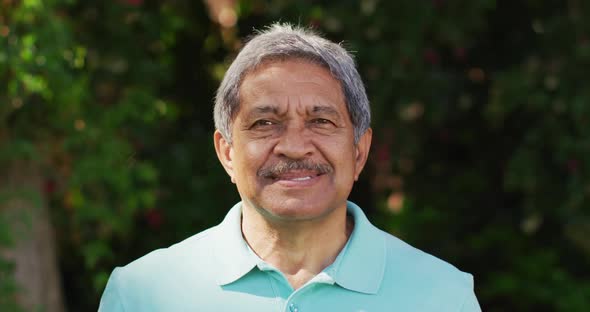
293	307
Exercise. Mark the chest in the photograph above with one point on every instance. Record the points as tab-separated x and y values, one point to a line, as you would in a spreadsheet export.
266	291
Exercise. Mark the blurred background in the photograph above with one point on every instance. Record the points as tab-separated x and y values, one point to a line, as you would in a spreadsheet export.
481	151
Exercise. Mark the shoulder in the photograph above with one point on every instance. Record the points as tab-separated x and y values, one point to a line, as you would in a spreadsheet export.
425	276
163	274
194	251
415	261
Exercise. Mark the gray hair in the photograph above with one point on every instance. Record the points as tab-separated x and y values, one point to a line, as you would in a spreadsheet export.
281	42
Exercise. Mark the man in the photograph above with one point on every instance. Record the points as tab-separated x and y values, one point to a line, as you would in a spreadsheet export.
293	134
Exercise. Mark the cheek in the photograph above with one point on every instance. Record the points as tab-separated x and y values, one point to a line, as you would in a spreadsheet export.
341	160
254	155
339	149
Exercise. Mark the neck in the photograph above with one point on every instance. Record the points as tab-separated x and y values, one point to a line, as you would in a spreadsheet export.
299	249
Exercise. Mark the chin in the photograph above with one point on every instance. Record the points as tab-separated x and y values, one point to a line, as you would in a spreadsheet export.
296	209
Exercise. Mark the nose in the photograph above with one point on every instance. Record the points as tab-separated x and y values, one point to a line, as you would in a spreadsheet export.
294	143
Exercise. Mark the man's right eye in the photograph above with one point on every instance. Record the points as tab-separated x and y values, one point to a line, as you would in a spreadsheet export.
262	123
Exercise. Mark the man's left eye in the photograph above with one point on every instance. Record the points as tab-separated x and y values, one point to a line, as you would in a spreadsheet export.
321	121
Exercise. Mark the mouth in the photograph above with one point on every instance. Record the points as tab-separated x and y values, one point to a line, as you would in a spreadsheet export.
296	176
296	179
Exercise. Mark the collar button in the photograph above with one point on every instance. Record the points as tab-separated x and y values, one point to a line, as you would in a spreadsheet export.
293	308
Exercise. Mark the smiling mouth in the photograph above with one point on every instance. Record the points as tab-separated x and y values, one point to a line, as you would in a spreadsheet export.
296	179
295	176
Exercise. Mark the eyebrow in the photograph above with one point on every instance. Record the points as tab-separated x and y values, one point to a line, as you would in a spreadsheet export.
262	110
272	109
325	109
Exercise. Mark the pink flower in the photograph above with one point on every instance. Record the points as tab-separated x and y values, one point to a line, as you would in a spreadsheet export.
154	218
573	165
49	186
460	53
431	56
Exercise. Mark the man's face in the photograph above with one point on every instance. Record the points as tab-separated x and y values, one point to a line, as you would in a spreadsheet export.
293	155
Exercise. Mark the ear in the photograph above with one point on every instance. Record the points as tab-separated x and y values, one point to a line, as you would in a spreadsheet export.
362	152
224	153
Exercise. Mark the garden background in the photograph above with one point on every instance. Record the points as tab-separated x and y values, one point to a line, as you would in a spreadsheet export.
481	152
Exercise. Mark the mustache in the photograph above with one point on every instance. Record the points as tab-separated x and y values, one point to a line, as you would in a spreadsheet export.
284	166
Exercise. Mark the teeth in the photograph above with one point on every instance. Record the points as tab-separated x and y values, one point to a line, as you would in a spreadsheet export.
301	179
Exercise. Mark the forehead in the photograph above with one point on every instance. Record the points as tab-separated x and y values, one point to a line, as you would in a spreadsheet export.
291	77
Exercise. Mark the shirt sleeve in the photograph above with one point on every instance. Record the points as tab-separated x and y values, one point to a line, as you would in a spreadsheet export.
111	299
470	304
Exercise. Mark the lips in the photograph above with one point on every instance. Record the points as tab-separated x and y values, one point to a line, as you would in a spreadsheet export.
297	175
296	179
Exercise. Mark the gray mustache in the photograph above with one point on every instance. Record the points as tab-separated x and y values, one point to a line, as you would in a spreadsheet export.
284	166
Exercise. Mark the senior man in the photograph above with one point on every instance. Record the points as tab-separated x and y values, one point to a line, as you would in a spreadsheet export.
293	133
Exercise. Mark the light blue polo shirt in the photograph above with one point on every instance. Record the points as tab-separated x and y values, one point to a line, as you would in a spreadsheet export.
216	270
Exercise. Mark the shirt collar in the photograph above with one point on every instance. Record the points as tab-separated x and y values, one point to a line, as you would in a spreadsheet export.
231	250
359	267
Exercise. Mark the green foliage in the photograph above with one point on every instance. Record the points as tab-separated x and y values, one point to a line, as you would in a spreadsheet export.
8	288
481	148
77	108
